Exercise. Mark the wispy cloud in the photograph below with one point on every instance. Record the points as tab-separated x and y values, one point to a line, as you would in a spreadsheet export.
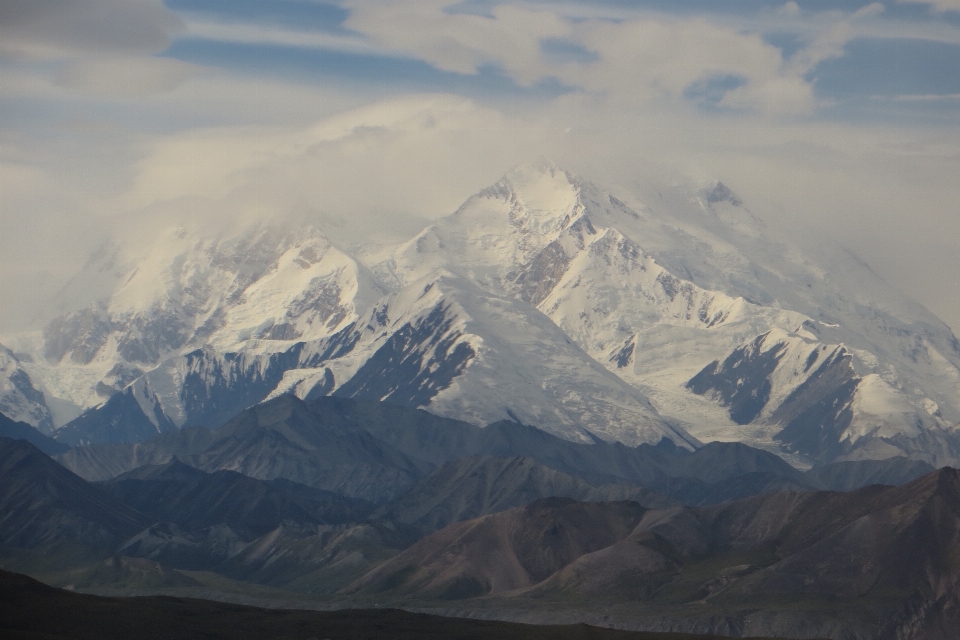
203	28
69	28
928	97
937	5
644	57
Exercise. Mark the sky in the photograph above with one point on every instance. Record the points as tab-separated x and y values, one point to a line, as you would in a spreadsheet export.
372	117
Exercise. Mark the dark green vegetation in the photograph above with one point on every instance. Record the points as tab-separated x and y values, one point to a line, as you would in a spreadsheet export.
334	502
34	611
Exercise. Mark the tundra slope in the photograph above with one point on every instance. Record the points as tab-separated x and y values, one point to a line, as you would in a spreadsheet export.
879	562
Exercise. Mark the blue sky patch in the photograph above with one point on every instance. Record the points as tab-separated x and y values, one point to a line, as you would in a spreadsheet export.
389	74
873	67
708	93
315	16
561	51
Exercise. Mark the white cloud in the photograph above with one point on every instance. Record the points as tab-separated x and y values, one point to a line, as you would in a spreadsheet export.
382	168
791	9
103	46
637	61
58	29
386	167
203	28
462	43
129	77
641	61
924	97
645	61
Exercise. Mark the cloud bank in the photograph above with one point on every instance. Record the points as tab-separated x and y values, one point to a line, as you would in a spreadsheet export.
124	116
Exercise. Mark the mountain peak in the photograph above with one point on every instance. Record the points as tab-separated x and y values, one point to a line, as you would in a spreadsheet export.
720	192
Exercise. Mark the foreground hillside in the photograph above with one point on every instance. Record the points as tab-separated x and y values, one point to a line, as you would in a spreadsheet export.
33	610
879	562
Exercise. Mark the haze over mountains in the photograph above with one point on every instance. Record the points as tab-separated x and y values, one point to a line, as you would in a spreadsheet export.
543	300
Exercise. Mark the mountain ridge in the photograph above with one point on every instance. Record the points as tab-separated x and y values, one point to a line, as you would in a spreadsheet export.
755	548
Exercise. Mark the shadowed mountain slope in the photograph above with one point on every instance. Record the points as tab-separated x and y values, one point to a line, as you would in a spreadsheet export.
41	502
879	562
22	431
826	543
599	463
481	485
399	445
853	474
281	438
194	499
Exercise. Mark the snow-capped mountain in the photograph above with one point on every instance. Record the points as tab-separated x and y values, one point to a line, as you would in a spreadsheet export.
446	344
661	311
258	286
812	394
441	343
19	398
598	268
561	244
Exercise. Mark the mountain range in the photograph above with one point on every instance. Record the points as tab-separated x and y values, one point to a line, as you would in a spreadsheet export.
376	451
504	521
631	313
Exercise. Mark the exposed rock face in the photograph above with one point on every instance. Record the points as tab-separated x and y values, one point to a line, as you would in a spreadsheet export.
812	394
80	335
200	387
443	344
